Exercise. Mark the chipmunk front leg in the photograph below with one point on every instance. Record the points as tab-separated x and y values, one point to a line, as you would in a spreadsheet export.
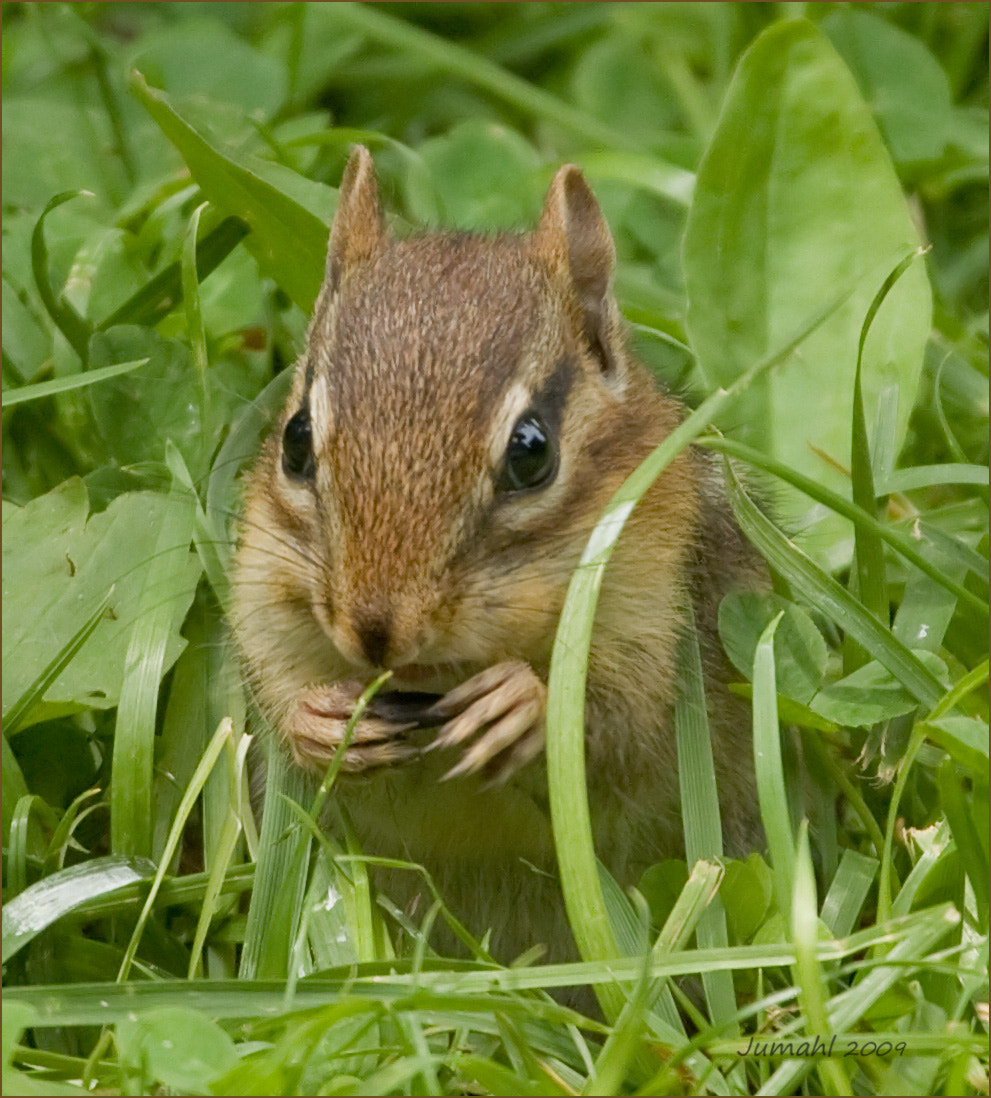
317	726
502	710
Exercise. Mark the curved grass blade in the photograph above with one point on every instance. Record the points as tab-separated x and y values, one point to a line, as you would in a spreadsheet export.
872	586
65	317
931	476
46	901
19	840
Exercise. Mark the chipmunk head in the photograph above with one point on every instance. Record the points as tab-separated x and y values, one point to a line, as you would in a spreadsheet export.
442	455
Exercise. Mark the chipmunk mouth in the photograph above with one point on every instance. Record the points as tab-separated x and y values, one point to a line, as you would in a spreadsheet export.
414	673
428	677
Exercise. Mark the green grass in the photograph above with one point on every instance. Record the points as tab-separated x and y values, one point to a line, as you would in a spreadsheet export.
769	172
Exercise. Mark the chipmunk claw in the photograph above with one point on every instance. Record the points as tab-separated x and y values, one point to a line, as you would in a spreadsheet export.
502	711
317	728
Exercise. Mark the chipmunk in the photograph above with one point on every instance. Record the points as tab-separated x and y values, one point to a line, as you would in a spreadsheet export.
465	407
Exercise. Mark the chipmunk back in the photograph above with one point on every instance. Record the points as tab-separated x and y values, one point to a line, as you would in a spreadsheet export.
464	409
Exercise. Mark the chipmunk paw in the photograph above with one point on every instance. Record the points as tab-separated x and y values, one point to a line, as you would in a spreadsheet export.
499	713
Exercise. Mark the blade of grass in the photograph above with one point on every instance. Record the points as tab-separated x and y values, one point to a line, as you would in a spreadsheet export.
280	876
63	384
899	541
769	769
22	842
223	849
200	774
800	571
808	975
959	808
100	1003
14	785
700	811
624	1045
134	736
868	552
196	333
848	891
868	581
692	906
930	476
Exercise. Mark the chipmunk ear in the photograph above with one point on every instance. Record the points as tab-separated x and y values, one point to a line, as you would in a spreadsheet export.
357	233
573	237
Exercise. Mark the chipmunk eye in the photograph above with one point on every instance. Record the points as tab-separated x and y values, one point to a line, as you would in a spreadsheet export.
297	446
531	458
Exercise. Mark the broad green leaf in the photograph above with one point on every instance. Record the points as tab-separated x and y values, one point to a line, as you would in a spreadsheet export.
57	567
900	79
700	809
661	886
799	650
871	694
288	240
176	1047
203	57
965	738
618	80
747	891
795	195
484	176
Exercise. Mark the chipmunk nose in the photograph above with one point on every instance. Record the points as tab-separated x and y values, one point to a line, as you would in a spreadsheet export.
373	637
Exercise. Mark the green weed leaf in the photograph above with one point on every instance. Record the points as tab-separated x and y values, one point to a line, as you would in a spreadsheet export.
52	546
795	195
